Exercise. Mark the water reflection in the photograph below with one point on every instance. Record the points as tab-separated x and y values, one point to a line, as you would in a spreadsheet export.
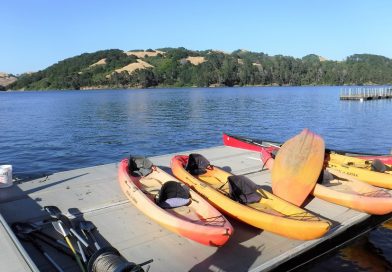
361	255
387	225
366	256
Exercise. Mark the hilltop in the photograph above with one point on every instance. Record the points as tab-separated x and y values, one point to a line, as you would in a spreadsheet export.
6	79
180	67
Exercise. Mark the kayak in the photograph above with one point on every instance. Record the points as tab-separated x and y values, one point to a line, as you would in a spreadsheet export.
247	143
363	173
255	144
354	161
297	167
358	166
270	213
198	220
344	190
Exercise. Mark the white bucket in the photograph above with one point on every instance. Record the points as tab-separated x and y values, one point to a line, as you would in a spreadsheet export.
5	176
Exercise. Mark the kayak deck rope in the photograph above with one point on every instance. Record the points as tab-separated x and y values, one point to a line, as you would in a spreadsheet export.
376	193
215	220
303	215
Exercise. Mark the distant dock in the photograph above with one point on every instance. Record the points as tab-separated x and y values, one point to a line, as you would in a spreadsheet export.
366	93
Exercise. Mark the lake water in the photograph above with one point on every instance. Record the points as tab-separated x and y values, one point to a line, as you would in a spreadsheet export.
46	132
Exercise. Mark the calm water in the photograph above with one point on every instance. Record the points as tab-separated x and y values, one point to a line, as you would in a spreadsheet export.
46	132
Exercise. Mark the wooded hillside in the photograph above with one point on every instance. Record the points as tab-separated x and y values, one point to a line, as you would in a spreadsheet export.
179	67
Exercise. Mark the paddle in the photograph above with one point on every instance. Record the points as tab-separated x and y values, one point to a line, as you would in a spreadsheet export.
55	213
87	228
61	225
297	166
30	229
23	233
60	228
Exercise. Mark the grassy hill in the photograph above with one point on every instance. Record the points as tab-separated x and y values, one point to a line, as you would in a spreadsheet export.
5	80
180	67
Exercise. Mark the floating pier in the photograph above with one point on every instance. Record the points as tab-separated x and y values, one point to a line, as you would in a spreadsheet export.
366	93
94	194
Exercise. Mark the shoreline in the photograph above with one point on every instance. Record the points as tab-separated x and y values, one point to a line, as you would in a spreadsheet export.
98	88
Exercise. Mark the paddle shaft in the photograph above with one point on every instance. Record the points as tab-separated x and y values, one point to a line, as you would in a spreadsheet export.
46	255
54	243
66	238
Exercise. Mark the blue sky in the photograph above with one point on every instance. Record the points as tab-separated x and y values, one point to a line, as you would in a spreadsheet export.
36	34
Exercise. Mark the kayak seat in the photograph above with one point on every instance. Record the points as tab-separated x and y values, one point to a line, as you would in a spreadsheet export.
325	177
197	164
139	166
378	166
172	195
243	190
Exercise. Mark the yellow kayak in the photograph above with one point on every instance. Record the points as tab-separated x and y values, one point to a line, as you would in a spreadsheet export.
270	213
360	169
357	162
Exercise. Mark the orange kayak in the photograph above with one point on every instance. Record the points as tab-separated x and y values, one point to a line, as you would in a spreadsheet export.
270	212
346	191
198	221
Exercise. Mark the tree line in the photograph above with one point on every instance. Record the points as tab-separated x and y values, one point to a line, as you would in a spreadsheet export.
239	68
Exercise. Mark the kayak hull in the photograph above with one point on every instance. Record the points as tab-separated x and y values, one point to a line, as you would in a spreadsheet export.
346	191
255	144
378	179
271	214
383	180
199	221
371	200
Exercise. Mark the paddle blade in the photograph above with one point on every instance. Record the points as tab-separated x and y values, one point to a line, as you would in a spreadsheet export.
53	211
297	166
60	228
87	225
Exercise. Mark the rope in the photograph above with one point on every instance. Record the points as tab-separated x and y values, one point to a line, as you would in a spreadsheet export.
303	215
214	221
112	261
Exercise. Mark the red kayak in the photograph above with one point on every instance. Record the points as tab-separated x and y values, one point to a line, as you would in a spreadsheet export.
257	145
